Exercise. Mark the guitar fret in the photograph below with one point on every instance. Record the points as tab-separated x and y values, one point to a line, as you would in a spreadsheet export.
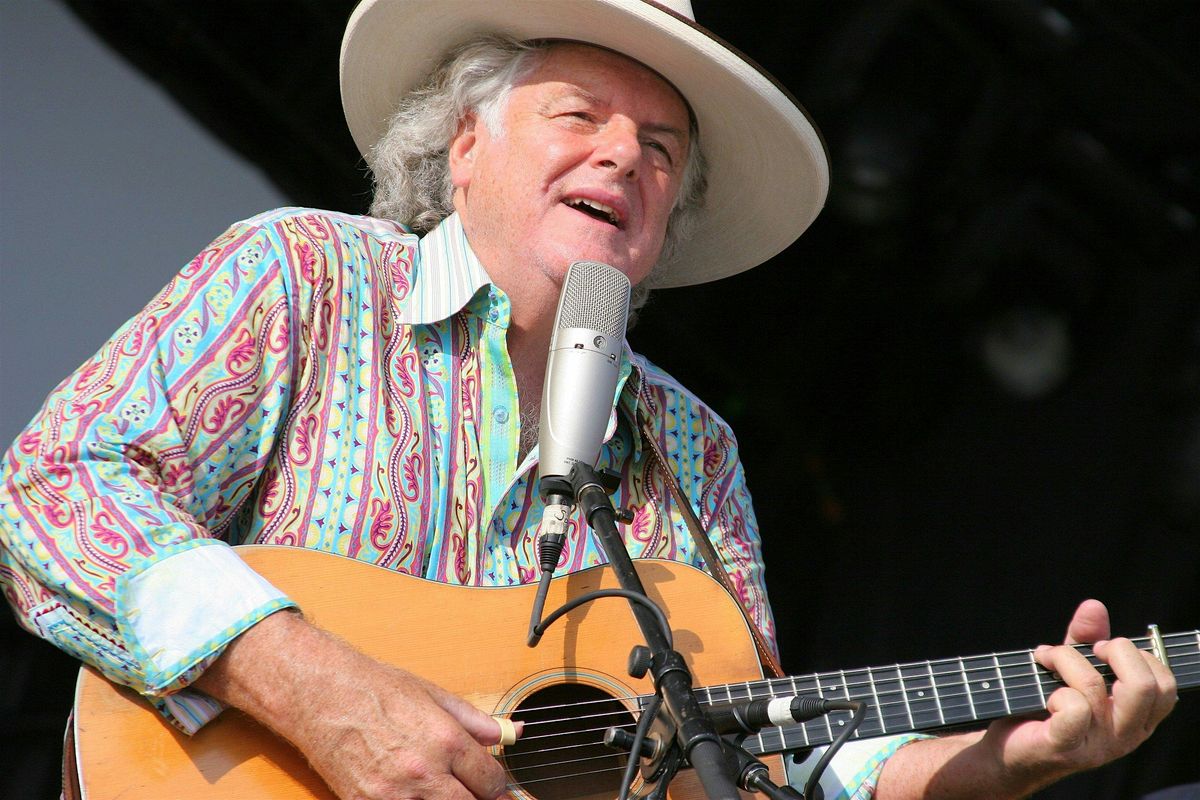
878	709
802	688
922	704
821	684
848	715
926	695
1003	689
791	731
950	686
860	688
984	685
1037	677
768	739
962	668
891	709
937	698
904	694
1023	683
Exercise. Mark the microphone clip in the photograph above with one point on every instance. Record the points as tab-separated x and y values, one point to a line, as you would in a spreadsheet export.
583	476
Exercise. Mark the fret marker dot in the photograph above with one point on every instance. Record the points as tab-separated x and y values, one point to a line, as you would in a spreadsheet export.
920	694
987	685
841	722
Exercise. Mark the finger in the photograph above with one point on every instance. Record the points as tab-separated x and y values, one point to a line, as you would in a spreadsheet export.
1070	719
483	728
462	764
1135	691
1077	672
1089	623
449	787
479	772
1167	688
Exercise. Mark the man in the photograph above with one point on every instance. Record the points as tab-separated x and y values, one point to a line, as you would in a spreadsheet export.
323	380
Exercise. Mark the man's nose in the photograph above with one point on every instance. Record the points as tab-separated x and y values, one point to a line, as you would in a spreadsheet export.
618	149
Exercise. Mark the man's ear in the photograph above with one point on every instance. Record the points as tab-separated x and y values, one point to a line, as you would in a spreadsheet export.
462	152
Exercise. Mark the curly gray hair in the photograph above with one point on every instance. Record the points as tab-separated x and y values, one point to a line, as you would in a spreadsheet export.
410	162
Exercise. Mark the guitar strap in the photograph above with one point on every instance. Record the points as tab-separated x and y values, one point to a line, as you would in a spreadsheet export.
713	561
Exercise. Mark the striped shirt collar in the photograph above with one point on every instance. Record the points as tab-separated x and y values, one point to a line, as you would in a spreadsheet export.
445	276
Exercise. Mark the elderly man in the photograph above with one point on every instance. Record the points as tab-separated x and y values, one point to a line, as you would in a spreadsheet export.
333	382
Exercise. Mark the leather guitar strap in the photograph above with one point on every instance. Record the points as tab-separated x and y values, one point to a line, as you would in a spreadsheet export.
711	559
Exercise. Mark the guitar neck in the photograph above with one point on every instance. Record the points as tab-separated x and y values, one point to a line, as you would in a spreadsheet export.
931	695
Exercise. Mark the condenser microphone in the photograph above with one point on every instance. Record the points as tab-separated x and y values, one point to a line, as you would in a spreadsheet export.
582	367
581	379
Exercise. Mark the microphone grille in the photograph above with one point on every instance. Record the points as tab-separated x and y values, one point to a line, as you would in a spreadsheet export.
595	296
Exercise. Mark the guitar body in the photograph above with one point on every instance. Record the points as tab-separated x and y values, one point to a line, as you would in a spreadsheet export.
469	640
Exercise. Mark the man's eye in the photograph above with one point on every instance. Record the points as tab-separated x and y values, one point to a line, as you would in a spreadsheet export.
662	148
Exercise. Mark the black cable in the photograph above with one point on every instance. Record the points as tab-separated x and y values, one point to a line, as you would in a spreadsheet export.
635	749
537	630
860	712
539	602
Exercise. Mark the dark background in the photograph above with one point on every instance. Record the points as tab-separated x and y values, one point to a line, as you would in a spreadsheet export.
966	399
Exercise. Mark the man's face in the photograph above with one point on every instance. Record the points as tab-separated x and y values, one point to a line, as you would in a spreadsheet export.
587	166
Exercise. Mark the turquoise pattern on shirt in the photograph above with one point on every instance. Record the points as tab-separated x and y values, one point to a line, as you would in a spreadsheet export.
324	380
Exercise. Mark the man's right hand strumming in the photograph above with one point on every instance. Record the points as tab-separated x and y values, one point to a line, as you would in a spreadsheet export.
369	729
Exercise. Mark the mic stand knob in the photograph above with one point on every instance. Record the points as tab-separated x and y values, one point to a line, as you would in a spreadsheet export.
640	661
621	739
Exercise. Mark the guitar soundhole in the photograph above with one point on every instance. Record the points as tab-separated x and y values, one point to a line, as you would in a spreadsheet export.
561	753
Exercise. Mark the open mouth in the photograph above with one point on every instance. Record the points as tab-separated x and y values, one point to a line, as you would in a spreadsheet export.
595	209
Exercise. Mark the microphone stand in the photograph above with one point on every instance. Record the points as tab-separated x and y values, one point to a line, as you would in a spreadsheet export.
695	733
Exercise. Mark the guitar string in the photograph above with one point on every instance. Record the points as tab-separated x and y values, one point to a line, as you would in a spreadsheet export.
519	783
515	770
834	718
782	687
594	744
547	764
570	776
1013	689
576	745
1015	693
891	715
785	683
1181	668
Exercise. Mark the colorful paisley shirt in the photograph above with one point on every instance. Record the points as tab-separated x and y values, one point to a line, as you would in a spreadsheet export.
328	381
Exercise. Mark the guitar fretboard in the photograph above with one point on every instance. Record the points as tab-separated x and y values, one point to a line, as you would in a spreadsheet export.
929	695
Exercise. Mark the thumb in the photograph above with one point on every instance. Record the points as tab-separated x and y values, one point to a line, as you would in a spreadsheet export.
1090	623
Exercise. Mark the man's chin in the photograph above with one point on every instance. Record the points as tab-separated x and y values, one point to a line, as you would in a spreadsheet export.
632	268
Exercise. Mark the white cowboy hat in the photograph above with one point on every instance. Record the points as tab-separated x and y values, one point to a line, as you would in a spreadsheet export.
768	169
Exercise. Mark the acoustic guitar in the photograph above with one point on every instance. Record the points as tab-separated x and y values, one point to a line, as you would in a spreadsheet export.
569	689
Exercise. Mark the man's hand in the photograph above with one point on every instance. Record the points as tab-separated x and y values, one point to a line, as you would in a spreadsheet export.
1086	727
370	730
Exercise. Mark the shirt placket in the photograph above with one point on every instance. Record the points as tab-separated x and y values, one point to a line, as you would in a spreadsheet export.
500	423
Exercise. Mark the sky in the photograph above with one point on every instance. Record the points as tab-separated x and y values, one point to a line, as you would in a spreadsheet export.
106	189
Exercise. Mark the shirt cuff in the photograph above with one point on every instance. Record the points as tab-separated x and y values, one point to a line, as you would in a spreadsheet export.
854	772
181	610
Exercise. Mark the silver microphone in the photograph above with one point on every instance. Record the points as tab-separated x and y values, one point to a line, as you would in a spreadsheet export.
581	379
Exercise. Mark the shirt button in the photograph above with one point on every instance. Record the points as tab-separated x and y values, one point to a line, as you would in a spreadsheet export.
493	315
500	415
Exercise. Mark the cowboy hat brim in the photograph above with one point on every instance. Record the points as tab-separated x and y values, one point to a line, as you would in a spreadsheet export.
768	168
